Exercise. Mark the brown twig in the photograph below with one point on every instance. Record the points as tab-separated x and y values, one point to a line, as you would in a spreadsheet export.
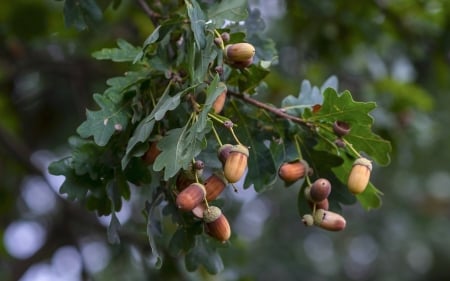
154	16
276	111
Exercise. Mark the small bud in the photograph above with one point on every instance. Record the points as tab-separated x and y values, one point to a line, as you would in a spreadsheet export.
217	225
359	175
218	41
329	220
190	197
236	163
225	36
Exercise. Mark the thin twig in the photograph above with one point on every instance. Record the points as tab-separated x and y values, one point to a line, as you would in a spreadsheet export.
154	16
278	112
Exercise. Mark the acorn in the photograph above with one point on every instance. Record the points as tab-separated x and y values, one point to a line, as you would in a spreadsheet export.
324	204
236	163
217	225
191	196
223	152
241	64
329	220
225	36
199	210
214	185
293	171
220	100
359	175
151	153
308	220
239	52
320	190
341	128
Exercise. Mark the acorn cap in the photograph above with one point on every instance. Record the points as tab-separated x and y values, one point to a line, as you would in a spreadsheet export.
211	214
363	162
240	148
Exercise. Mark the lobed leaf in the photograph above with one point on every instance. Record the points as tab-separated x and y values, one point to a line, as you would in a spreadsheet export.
125	52
103	123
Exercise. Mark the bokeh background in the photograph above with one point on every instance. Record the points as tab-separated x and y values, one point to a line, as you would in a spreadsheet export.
396	53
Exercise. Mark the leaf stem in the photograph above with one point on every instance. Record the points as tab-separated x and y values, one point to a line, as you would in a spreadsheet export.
219	141
297	141
352	149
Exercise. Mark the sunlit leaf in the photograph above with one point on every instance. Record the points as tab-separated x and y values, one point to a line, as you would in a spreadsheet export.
125	52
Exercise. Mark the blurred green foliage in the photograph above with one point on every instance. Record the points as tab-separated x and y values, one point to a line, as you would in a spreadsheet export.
394	52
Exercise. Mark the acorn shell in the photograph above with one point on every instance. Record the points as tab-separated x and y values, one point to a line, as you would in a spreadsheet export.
320	190
359	175
217	225
190	197
236	163
329	220
293	171
220	101
214	185
239	52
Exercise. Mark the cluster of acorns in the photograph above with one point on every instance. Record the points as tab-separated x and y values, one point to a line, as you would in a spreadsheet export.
195	196
317	193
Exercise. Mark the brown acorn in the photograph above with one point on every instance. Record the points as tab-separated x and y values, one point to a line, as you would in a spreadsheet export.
239	52
220	100
151	154
199	210
341	128
214	185
223	152
324	204
241	64
236	163
191	196
320	190
329	220
217	224
359	175
292	171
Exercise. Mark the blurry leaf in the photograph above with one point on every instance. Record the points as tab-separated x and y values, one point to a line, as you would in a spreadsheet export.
81	13
182	241
154	227
125	52
198	21
113	230
102	124
249	78
204	253
343	108
308	96
405	95
231	10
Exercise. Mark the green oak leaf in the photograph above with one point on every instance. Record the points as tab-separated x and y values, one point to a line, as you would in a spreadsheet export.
103	123
125	52
231	10
204	253
198	21
119	85
342	107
